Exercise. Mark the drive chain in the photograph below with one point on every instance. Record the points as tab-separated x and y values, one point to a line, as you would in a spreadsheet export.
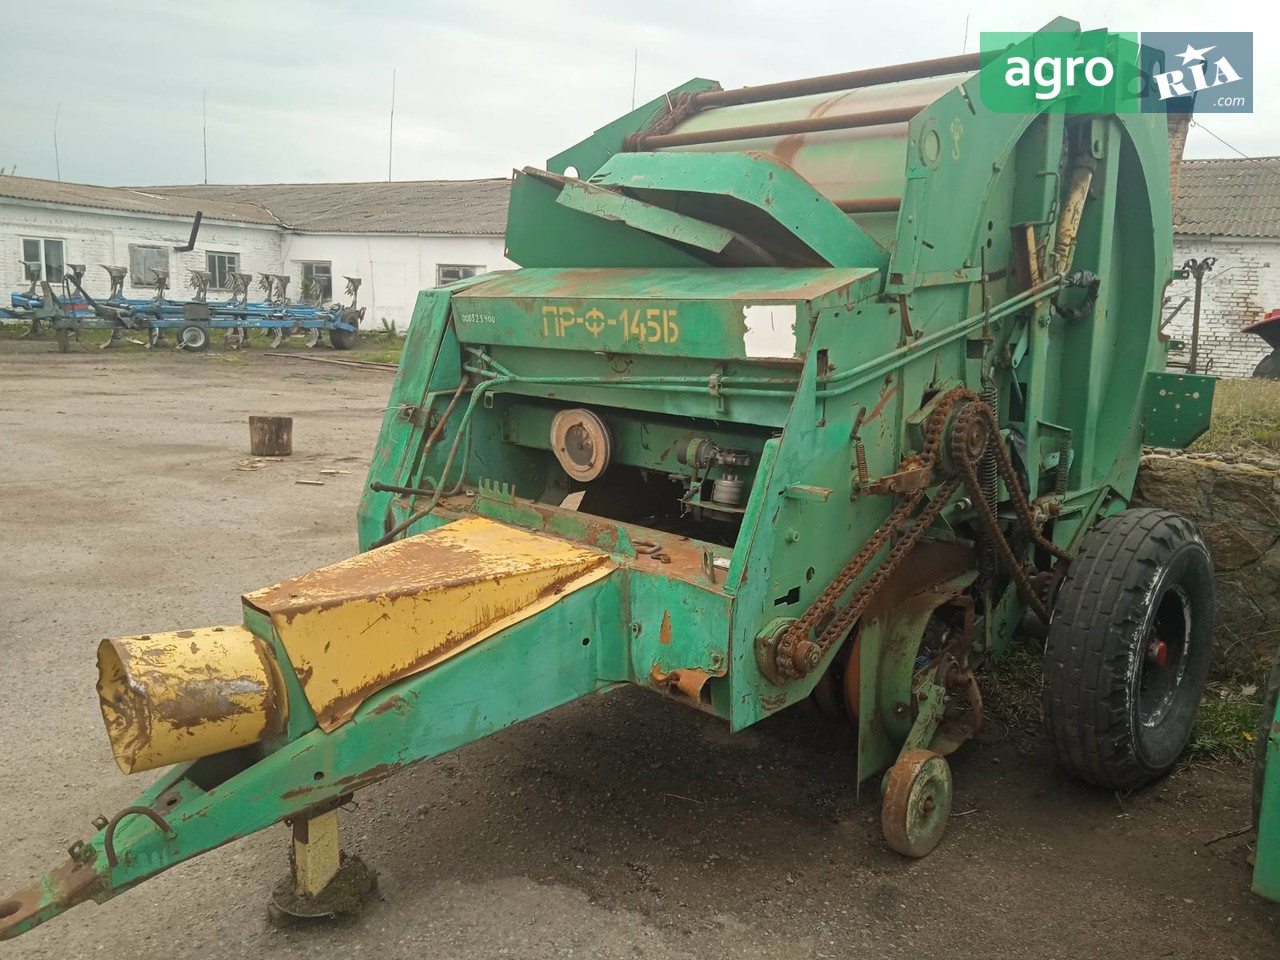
972	432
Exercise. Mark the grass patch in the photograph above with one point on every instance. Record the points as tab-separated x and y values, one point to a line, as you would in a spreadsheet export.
1246	419
1226	724
1224	730
87	338
376	356
376	347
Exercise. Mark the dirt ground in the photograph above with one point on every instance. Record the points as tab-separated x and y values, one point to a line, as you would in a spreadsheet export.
619	826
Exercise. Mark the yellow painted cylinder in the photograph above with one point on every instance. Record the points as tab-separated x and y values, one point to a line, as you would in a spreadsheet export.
170	697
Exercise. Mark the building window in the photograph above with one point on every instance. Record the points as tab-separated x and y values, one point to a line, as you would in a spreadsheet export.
221	266
143	261
49	254
317	281
452	272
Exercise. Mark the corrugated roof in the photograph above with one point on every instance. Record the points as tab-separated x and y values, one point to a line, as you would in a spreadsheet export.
1226	197
476	207
131	200
465	207
1229	198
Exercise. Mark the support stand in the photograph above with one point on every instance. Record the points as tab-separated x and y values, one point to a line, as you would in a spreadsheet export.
323	883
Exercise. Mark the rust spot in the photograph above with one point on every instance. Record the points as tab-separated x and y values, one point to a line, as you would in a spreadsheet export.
61	888
348	783
687	680
185	634
879	407
204	701
387	706
664	633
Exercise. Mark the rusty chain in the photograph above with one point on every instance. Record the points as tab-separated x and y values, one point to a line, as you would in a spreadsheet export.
972	430
968	465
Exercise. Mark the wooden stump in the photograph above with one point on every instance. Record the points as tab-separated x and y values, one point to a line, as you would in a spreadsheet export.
271	436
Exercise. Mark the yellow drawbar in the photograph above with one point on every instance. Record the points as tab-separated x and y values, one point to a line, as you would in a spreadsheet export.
357	626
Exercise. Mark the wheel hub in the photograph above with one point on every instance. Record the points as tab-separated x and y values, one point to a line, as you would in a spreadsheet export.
1157	652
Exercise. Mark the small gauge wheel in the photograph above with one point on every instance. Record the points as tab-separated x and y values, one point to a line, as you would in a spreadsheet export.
917	803
193	337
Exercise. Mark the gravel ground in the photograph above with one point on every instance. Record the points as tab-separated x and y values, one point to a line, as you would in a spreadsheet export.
618	826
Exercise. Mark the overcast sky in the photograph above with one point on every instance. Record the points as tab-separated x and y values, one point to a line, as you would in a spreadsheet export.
300	91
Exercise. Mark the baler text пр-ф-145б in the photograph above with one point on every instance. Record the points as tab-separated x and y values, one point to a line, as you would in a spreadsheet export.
812	390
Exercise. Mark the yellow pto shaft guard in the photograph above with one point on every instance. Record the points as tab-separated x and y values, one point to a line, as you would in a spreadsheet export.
169	697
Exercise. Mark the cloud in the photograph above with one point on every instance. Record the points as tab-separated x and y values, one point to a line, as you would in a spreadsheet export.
301	91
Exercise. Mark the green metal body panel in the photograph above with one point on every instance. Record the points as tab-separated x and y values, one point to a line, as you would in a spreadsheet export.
1266	871
542	232
680	313
811	378
1178	407
611	205
760	192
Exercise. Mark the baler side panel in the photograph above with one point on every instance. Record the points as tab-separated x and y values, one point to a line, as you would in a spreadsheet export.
801	542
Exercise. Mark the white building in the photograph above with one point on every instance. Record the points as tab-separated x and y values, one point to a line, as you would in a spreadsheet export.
1230	210
402	237
398	237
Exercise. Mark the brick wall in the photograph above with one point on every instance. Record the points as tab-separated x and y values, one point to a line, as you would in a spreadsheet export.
1243	285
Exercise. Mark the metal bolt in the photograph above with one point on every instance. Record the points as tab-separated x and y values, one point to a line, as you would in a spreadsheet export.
899	709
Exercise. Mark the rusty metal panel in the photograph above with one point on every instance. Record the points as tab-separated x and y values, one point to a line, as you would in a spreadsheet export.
357	626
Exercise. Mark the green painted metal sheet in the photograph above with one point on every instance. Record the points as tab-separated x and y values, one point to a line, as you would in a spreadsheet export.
1178	407
1266	871
743	314
586	155
611	205
544	233
794	216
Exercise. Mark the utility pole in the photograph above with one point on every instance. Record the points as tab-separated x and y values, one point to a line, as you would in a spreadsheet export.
391	130
57	161
204	130
1197	269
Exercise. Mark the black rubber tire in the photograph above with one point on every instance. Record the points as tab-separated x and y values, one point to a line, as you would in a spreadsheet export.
343	339
1268	367
1260	738
1136	571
